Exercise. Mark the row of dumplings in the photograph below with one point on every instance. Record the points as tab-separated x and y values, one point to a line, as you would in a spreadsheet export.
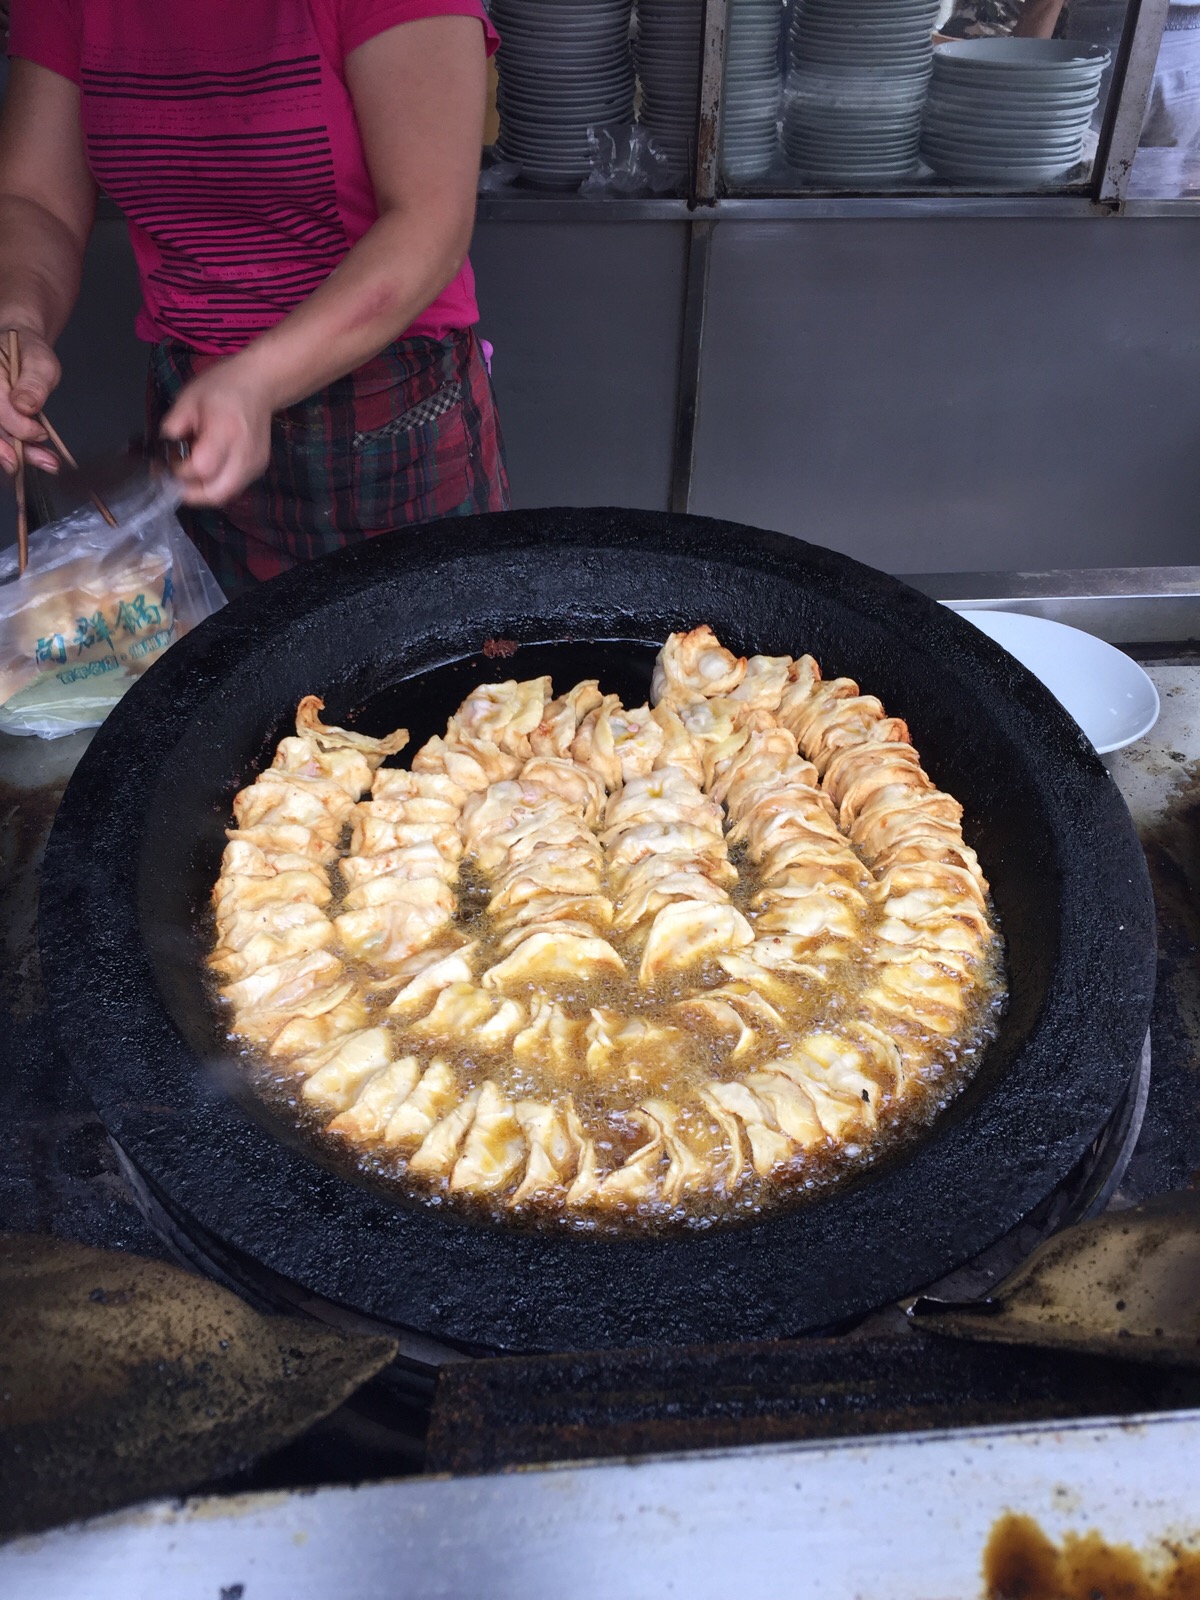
481	1142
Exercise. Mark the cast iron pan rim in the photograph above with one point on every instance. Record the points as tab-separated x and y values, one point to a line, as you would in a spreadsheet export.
221	1157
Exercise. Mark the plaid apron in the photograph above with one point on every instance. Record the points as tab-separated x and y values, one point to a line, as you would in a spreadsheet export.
410	436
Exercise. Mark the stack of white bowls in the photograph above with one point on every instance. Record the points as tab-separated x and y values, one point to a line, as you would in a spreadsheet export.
858	74
1010	111
668	55
564	67
753	89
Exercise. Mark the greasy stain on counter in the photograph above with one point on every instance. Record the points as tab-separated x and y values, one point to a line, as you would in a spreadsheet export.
1021	1563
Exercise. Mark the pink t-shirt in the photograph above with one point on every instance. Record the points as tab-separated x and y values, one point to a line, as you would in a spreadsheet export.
225	132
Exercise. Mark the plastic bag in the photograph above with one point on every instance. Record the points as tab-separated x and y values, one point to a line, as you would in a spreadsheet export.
627	160
94	608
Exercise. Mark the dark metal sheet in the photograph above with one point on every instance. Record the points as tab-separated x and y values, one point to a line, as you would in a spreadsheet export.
137	843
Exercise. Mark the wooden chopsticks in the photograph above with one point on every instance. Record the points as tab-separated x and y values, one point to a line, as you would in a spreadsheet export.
14	374
11	361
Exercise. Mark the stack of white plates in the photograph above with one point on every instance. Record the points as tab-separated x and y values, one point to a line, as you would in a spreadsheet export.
668	54
753	89
859	70
564	67
1010	110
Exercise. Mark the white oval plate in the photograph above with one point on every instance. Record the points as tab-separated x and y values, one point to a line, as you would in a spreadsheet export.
1110	697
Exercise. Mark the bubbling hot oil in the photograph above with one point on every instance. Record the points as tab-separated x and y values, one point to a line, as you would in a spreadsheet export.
698	1051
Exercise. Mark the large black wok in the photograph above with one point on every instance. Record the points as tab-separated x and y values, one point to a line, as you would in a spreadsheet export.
137	843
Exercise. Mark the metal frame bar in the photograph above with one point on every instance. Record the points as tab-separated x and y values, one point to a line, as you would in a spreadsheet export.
706	175
691	361
1125	605
1133	77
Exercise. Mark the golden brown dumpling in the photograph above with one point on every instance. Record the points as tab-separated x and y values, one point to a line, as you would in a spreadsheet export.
436	970
302	1035
495	1150
335	1075
552	1039
434	1097
790	1106
553	958
503	714
636	1179
367	1116
769	1148
694	666
437	1154
580	788
551	1149
688	932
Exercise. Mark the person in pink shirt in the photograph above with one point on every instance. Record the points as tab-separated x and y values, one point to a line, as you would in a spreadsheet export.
299	181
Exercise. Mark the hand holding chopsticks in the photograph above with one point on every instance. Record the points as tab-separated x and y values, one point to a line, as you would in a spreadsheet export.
10	365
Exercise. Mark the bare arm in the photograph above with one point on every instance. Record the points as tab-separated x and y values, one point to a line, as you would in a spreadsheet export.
47	203
419	94
1038	19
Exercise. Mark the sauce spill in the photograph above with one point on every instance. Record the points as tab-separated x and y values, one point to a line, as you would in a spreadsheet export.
1021	1563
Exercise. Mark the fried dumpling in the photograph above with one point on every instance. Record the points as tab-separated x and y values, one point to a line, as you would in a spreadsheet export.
688	932
678	747
769	1148
434	1097
495	1150
578	786
664	797
373	835
628	1046
555	733
720	1013
764	681
388	933
645	903
586	1182
290	987
396	785
554	957
834	1066
412	862
437	1154
334	1076
594	746
661	838
636	1179
302	1035
551	1156
269	948
471	764
693	666
428	894
310	726
790	1106
730	1132
367	1116
551	1040
637	742
503	714
435	971
686	1171
289	805
463	1012
232	896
